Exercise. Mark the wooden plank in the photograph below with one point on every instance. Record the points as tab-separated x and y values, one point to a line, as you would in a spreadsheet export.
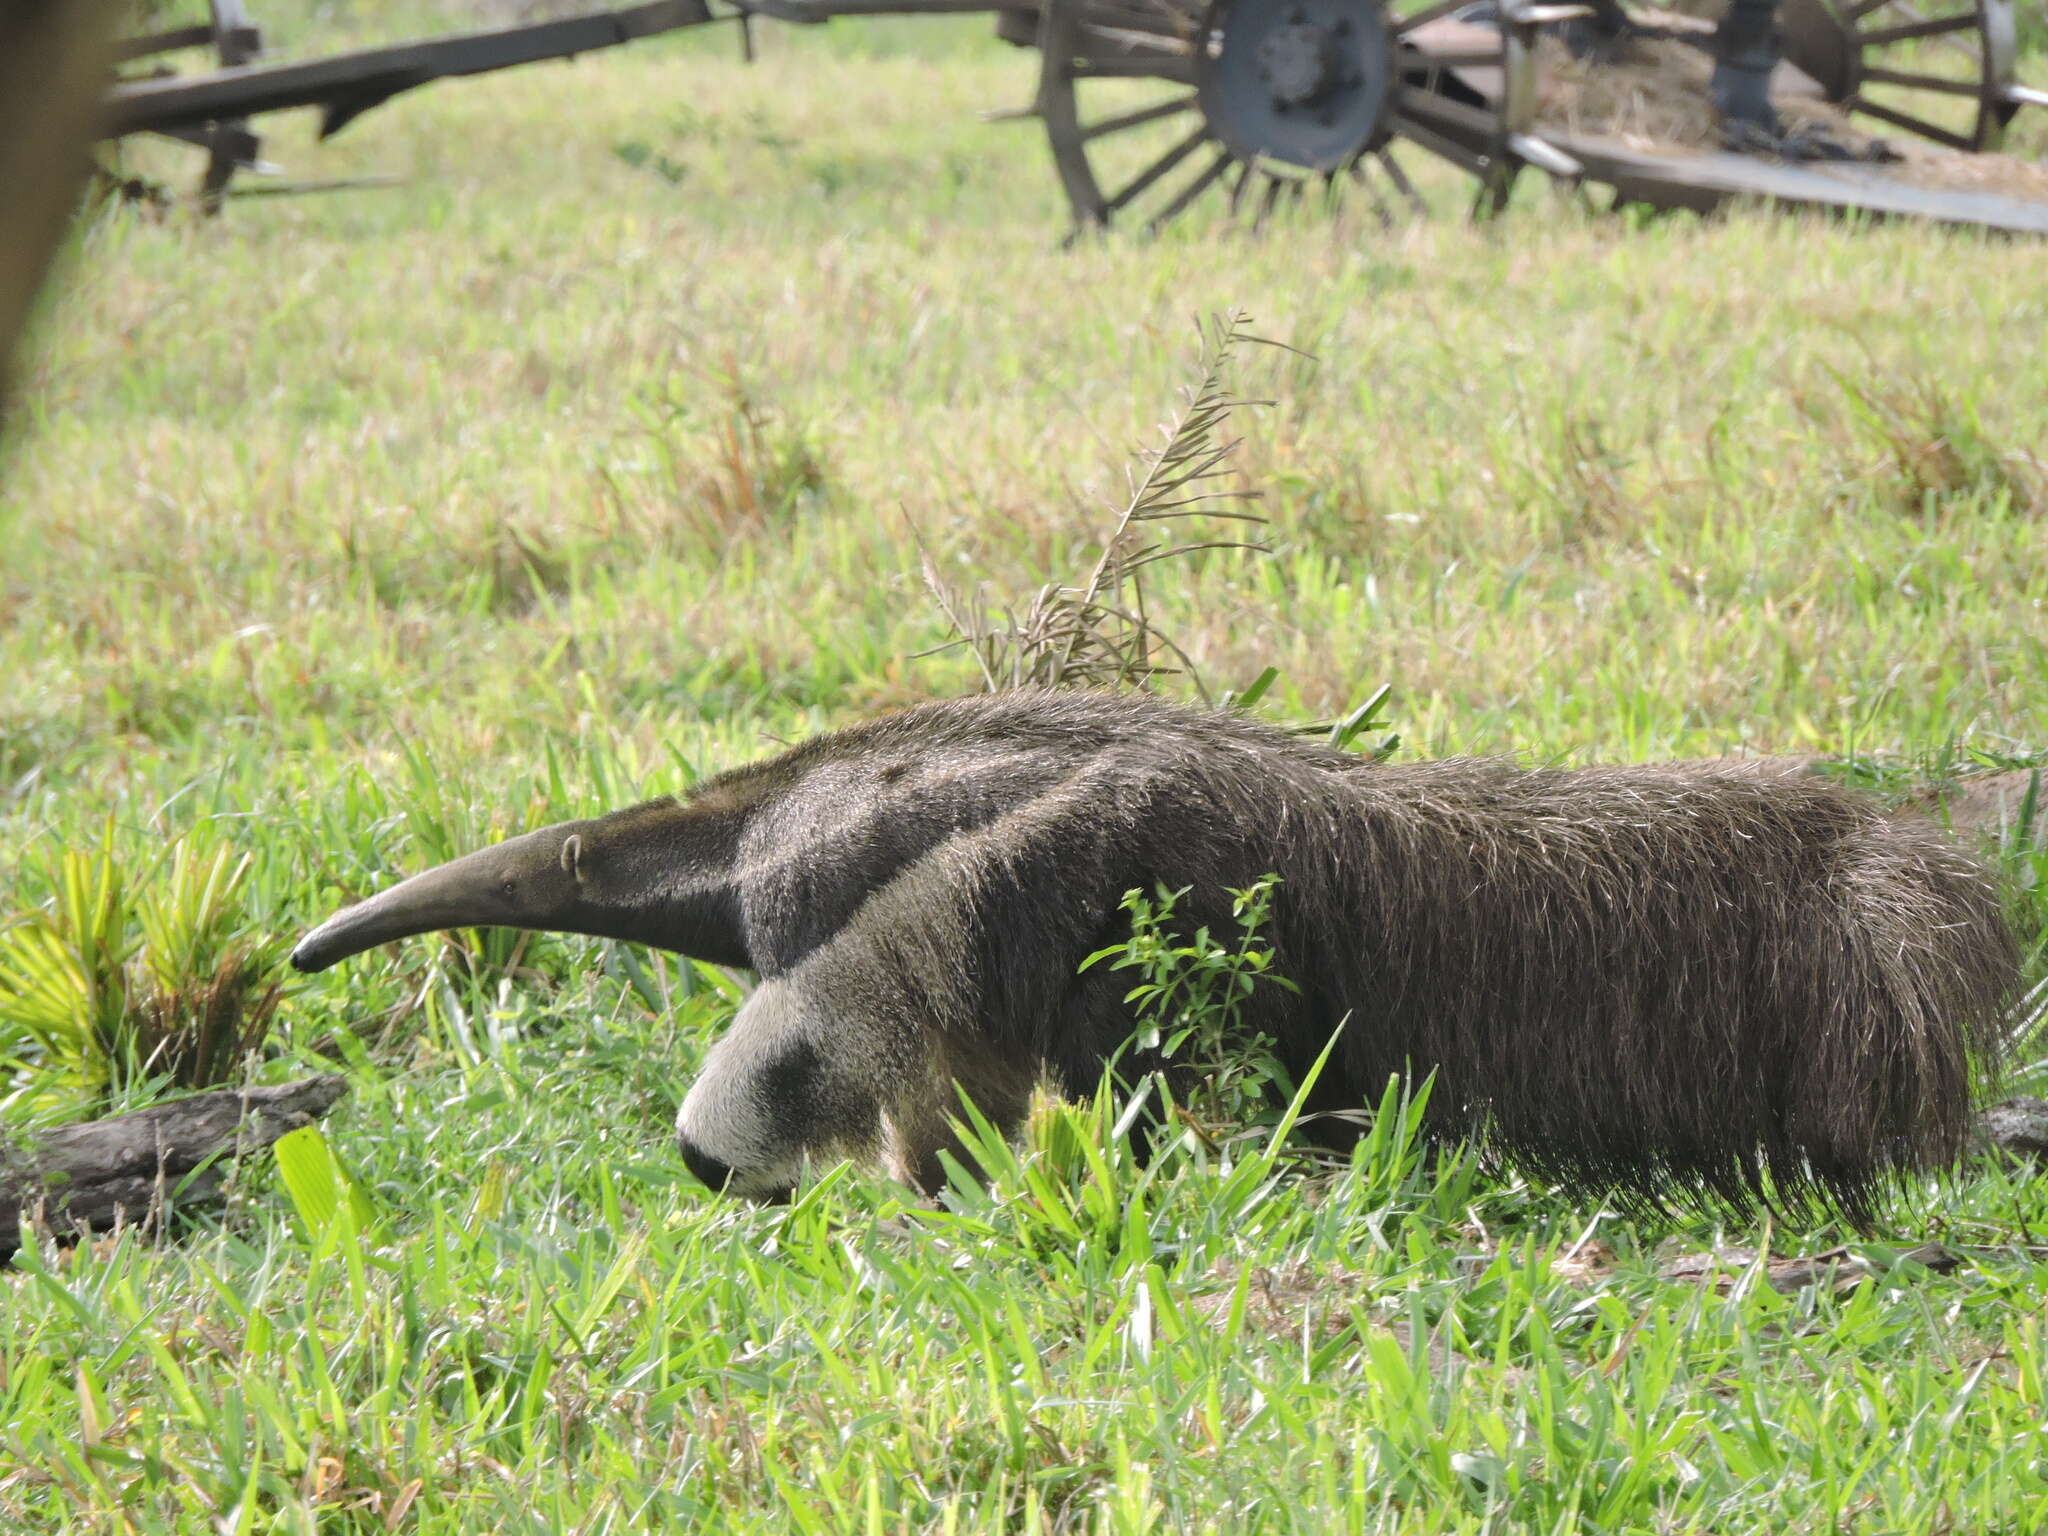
1707	180
813	12
349	83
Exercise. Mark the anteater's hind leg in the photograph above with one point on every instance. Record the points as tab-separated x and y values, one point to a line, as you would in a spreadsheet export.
918	1126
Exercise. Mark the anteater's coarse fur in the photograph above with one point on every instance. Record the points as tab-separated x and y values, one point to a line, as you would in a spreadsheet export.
1670	980
1664	983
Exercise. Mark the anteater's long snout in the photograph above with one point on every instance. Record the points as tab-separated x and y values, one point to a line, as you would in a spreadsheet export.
465	893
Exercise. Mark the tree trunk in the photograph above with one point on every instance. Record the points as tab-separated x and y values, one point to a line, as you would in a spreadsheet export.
55	58
130	1168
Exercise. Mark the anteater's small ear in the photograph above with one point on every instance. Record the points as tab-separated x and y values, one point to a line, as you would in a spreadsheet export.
572	855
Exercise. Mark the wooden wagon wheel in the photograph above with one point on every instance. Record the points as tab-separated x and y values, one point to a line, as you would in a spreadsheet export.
1939	69
1153	107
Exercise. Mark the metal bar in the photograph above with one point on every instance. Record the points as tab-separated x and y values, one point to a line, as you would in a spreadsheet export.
2026	96
1544	15
302	188
1545	156
371	75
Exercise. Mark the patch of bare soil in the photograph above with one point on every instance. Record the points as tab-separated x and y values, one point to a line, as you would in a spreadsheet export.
1654	97
1992	804
1723	1268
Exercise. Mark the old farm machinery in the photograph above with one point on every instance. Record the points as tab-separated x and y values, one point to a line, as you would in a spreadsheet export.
1156	110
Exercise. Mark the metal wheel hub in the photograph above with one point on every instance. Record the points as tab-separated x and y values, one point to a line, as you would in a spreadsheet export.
1303	62
1301	82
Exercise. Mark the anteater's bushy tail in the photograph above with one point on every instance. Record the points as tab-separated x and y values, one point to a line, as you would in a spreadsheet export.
1788	1012
1919	969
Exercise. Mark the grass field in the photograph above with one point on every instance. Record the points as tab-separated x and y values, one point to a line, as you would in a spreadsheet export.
345	533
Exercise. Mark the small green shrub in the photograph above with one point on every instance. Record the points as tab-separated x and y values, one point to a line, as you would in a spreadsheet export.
111	984
1190	1001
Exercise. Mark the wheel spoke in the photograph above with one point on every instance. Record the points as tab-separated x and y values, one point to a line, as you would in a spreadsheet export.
1120	43
1937	83
1135	119
1266	201
1191	191
1237	187
1167	66
1400	180
1160	167
1361	174
1884	36
1863	8
1911	124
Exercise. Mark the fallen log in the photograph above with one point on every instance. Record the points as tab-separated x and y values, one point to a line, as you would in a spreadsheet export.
130	1169
2016	1128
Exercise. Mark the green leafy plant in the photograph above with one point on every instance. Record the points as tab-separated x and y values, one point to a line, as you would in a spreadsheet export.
111	983
1190	1001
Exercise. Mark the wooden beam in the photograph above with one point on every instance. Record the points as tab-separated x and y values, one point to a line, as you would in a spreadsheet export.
347	84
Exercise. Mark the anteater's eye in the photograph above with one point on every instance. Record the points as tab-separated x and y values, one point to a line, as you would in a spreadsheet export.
510	886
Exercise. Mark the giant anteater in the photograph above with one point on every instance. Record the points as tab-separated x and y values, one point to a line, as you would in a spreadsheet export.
1661	983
